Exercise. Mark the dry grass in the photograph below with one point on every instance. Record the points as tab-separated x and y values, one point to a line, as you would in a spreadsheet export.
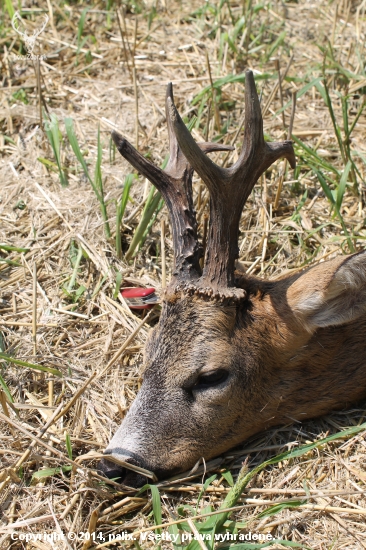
104	84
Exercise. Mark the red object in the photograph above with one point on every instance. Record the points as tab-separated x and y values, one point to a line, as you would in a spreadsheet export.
140	298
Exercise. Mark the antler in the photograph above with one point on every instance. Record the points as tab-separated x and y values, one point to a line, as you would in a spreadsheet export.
29	40
230	187
175	185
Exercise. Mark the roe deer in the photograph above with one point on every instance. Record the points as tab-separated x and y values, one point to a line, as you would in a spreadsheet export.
233	354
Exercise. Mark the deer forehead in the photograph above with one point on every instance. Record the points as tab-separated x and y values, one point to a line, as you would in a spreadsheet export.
190	334
193	317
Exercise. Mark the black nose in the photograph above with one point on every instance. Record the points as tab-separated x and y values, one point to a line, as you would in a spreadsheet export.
111	470
120	474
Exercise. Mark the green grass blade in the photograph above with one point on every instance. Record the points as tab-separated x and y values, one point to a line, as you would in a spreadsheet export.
33	366
334	122
342	185
152	221
345	231
276	508
98	181
319	85
229	79
121	207
301	92
99	286
125	195
276	44
68	445
327	191
55	130
48	164
344	101
303	449
6	390
156	504
205	485
69	125
359	113
112	151
315	157
229	478
9	248
118	284
53	133
9	8
49	472
10	262
329	194
333	63
238	28
81	28
151	205
98	184
72	281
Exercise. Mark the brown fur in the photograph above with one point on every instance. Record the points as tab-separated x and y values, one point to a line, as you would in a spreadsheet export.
295	348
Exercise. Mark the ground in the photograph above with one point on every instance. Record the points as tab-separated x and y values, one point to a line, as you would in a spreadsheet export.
65	254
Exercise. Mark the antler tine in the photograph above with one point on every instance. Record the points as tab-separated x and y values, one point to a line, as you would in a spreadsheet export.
253	142
175	185
174	148
204	167
177	160
253	123
140	163
178	197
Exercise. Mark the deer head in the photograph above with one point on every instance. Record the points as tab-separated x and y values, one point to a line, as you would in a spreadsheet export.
231	354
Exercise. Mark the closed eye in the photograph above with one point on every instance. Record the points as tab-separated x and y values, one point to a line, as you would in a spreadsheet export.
211	378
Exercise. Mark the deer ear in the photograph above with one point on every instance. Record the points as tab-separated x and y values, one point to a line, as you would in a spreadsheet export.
332	293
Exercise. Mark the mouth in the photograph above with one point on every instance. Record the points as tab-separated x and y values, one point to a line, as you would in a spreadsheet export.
132	471
121	475
127	469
